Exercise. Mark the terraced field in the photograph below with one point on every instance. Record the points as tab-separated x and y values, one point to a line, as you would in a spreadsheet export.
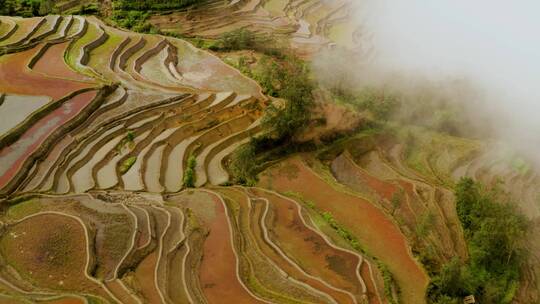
109	122
308	25
100	125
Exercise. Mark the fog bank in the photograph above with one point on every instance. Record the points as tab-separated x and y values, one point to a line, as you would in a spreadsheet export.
494	45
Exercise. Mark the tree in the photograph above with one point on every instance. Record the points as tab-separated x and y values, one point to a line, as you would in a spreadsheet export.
189	174
495	232
296	89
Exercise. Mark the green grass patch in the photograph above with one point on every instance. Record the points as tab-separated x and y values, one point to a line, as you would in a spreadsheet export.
126	164
23	209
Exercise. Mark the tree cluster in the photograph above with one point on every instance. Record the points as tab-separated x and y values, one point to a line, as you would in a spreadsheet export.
153	5
26	8
495	232
288	80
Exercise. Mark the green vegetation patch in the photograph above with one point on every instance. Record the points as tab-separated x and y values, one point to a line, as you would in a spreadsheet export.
154	5
26	8
495	232
23	209
287	78
189	174
126	164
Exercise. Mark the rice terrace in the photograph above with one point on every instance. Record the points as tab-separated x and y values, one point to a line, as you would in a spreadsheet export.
229	151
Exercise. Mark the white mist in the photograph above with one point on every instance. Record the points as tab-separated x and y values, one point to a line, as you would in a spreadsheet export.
494	44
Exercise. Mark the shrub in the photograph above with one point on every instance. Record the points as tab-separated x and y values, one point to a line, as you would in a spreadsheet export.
495	232
154	5
26	8
295	87
130	136
189	174
126	164
239	39
243	167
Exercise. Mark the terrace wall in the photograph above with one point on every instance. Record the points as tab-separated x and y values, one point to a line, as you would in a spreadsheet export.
92	46
40	152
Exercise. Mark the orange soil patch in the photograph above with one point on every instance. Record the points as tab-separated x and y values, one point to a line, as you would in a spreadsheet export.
371	288
408	187
146	278
356	174
217	272
309	249
13	157
52	64
255	225
53	258
16	78
349	173
381	237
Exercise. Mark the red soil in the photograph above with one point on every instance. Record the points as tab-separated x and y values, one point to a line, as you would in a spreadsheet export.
258	209
309	249
408	187
145	277
16	78
13	156
381	237
371	288
52	64
382	188
218	268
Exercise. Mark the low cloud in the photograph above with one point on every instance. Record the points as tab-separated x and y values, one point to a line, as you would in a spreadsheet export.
483	54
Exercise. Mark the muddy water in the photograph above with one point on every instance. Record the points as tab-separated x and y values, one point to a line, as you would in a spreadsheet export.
132	179
153	169
155	68
85	172
200	166
82	178
106	176
42	173
17	108
216	174
175	167
13	156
